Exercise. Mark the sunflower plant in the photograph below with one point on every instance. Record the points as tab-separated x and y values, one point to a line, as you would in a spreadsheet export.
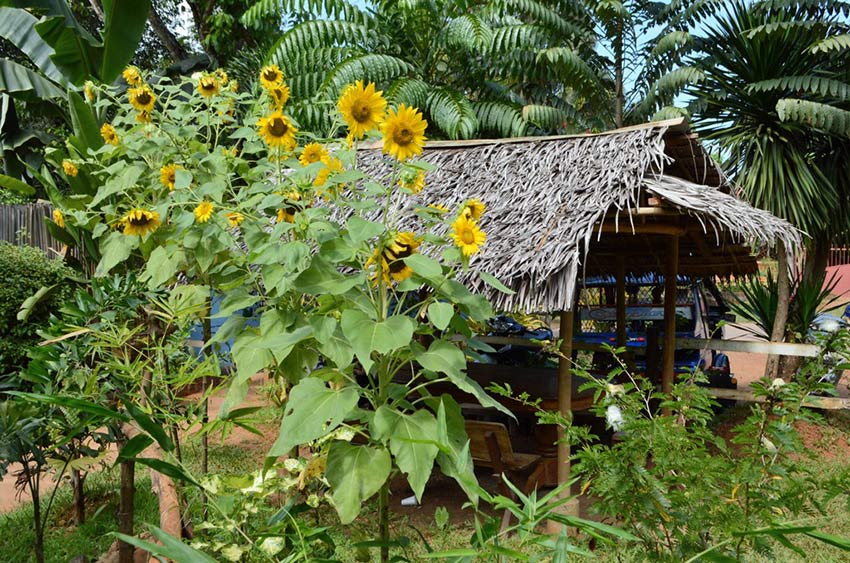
355	307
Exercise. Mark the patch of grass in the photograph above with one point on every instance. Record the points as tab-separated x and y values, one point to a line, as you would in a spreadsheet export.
64	540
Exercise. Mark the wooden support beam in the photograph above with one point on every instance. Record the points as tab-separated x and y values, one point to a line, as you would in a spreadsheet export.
565	391
826	403
624	227
752	347
668	351
621	301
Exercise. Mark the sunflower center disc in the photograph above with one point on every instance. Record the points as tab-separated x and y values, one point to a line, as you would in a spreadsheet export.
403	136
361	112
278	128
468	237
144	98
271	76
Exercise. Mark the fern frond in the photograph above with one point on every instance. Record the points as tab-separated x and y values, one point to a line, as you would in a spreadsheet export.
809	84
814	114
453	113
314	115
334	9
369	68
409	91
834	43
504	119
318	33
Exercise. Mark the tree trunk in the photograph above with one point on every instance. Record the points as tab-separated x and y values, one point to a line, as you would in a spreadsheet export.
169	41
205	442
384	521
77	481
33	486
817	257
619	97
199	15
781	319
125	509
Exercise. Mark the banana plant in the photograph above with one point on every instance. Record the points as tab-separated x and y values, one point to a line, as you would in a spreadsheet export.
63	55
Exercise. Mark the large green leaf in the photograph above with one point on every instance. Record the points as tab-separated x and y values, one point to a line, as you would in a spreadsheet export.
84	122
250	358
355	473
19	81
124	23
411	441
75	53
367	335
15	185
116	248
445	357
18	27
313	410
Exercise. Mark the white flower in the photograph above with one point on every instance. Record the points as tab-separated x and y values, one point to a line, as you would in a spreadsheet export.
271	546
345	434
614	417
768	445
292	465
313	500
197	76
777	383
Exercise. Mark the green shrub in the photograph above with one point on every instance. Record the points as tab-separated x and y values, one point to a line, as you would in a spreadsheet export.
23	271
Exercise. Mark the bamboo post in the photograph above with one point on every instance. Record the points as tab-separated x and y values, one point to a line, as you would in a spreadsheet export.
565	399
669	346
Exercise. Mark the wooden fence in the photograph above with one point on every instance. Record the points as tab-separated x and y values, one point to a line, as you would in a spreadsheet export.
24	225
839	255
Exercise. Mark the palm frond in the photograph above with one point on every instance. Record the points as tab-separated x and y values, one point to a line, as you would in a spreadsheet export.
808	84
410	91
511	38
453	113
318	33
369	68
815	114
541	14
834	43
469	32
335	9
547	118
502	118
573	70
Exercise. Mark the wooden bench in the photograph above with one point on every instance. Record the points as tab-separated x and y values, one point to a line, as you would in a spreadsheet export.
490	446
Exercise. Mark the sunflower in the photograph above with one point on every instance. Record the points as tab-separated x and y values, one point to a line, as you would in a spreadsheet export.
142	98
234	218
132	75
314	152
140	222
279	95
58	218
473	209
143	117
412	182
204	211
277	131
287	213
390	258
331	165
271	76
208	85
70	168
221	75
404	132
439	208
88	90
109	134
168	175
234	86
362	108
467	236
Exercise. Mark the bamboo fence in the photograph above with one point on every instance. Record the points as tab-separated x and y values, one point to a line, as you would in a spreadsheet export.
24	225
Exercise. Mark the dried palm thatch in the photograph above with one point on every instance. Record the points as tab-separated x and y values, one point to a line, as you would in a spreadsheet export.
548	198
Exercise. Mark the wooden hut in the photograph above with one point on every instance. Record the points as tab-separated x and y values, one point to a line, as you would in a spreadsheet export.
643	199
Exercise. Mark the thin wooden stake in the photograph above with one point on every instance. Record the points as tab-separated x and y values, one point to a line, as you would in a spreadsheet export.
668	352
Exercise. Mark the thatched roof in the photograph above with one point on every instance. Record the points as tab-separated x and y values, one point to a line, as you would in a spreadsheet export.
559	207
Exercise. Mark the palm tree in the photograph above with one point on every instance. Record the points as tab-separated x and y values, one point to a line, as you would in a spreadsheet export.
475	67
773	93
